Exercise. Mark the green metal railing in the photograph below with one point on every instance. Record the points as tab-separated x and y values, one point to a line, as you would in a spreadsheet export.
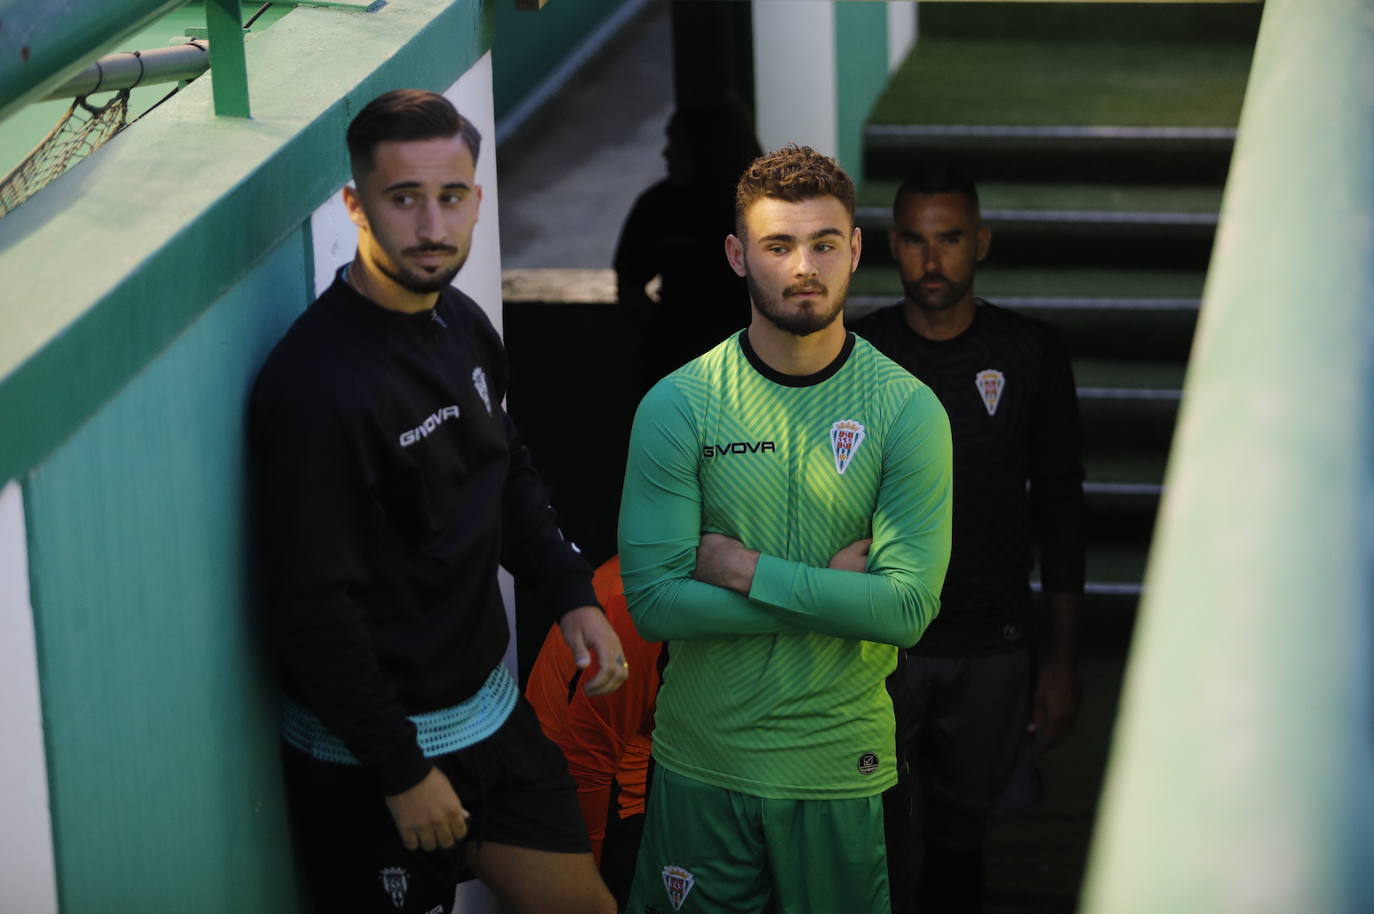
1242	771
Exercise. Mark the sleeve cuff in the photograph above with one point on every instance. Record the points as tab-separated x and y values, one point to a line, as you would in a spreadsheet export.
773	582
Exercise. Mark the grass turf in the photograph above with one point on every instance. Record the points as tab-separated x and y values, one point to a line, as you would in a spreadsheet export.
1067	82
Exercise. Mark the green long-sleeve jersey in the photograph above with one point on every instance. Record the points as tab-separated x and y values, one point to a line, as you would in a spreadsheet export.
781	693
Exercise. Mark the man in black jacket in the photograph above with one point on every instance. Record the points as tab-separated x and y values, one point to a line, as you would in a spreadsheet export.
392	485
983	699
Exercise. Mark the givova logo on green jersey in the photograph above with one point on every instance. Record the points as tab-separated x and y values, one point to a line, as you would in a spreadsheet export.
845	438
738	447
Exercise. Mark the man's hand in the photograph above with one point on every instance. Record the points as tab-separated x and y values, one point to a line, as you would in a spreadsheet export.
1055	705
429	815
853	557
586	630
724	562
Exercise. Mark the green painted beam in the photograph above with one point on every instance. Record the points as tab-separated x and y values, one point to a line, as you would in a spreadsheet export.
1242	771
185	201
43	44
229	69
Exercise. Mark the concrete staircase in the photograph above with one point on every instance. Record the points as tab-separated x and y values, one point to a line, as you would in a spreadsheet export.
1100	135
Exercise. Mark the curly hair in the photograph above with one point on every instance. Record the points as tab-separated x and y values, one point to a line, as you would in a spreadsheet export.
793	173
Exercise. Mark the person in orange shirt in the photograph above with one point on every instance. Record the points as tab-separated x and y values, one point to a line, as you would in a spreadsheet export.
606	738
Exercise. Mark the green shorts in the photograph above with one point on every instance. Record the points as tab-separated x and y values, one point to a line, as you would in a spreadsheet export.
708	850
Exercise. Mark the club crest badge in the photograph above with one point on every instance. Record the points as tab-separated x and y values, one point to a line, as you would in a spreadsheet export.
396	881
479	381
845	438
990	384
678	882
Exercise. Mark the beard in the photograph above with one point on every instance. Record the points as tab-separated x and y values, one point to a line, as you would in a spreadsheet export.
802	321
423	283
941	299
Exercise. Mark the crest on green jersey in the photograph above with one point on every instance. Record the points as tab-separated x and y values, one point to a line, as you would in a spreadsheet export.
845	438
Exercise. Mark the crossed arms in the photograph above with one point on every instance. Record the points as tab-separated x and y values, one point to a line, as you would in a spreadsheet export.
681	585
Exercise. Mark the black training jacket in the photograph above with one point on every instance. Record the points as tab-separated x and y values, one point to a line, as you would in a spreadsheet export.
390	484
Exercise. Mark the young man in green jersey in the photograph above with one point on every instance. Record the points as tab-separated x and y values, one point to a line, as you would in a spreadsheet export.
785	527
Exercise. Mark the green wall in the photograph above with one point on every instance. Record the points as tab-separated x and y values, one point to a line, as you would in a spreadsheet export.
158	711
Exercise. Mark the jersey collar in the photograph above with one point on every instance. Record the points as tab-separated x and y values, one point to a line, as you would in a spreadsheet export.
795	380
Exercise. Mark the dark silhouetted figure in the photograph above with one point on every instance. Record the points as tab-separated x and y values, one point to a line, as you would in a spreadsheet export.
676	231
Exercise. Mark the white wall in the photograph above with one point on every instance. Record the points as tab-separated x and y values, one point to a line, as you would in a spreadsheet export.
794	73
28	875
901	31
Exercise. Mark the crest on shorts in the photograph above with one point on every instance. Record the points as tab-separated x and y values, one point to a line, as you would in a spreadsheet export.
845	438
479	381
678	882
990	384
396	881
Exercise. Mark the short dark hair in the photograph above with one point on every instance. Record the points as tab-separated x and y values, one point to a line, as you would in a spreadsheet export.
793	173
406	114
929	178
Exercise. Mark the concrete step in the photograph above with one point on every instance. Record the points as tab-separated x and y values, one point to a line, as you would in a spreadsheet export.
1101	238
877	282
1124	466
1069	197
1105	154
1089	92
1113	575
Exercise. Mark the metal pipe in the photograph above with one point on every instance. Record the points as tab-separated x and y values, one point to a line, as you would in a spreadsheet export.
129	69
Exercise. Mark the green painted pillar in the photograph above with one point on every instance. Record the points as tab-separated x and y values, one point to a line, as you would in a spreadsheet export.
861	68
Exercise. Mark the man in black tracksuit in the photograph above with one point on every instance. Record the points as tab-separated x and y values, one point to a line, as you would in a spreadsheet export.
986	688
392	485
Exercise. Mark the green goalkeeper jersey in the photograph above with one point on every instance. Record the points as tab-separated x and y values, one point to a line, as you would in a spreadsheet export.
782	693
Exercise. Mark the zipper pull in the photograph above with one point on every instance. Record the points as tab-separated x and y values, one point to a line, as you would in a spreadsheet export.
434	316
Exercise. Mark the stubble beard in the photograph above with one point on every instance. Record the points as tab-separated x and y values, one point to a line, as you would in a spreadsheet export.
799	321
936	300
422	283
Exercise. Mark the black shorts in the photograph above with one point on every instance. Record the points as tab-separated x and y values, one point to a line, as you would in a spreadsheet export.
515	783
965	730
